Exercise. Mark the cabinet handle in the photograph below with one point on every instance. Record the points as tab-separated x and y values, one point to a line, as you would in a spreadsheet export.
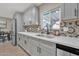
38	49
25	42
19	39
75	12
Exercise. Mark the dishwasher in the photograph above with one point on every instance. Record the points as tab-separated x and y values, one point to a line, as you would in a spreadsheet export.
63	50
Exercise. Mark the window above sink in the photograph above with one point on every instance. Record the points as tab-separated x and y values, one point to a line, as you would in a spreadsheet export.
52	18
55	19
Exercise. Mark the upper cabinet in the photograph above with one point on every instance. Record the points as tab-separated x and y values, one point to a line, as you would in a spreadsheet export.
78	10
18	22
62	10
30	16
69	11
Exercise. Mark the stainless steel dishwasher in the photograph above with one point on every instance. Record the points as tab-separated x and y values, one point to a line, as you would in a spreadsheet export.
63	50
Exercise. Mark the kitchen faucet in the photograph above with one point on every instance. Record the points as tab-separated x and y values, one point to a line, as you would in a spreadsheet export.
47	30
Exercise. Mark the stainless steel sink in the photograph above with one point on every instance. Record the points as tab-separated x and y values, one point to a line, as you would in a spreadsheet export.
46	36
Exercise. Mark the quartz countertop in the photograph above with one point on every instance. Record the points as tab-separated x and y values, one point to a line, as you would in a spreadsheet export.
68	41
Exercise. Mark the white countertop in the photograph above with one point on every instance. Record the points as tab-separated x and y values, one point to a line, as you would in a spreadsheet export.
68	41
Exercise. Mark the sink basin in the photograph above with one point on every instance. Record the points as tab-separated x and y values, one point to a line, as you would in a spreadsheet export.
44	35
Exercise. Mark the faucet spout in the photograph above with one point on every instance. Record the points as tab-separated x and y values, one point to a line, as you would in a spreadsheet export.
47	29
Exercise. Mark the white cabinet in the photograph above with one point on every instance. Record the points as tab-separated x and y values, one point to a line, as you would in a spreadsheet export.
20	41
30	16
35	15
24	41
36	47
78	10
62	53
28	43
19	22
62	10
69	11
41	49
46	50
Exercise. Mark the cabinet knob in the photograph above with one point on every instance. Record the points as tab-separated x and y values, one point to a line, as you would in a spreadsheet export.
19	38
75	12
38	49
25	42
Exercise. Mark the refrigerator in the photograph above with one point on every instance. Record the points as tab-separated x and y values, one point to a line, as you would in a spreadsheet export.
14	32
17	26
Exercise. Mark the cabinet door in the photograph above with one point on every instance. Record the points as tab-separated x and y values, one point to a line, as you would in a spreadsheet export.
62	53
25	42
62	11
34	48
78	9
42	51
22	41
70	10
31	16
18	39
46	50
35	15
29	45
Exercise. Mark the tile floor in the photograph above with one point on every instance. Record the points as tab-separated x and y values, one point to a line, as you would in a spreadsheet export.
7	49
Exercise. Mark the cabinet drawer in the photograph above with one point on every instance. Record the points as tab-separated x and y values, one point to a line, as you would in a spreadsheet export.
47	50
47	43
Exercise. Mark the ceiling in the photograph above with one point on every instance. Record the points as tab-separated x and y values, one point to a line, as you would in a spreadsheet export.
8	9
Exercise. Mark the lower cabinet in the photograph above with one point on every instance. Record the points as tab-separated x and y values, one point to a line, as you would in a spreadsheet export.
35	47
38	47
19	40
46	50
25	42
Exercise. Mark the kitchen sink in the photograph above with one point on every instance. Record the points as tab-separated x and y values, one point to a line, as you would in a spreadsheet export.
45	35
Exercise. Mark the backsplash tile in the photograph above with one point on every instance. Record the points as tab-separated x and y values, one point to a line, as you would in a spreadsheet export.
73	28
32	28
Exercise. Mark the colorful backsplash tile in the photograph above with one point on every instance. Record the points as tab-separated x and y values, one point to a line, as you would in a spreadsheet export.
72	25
73	28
